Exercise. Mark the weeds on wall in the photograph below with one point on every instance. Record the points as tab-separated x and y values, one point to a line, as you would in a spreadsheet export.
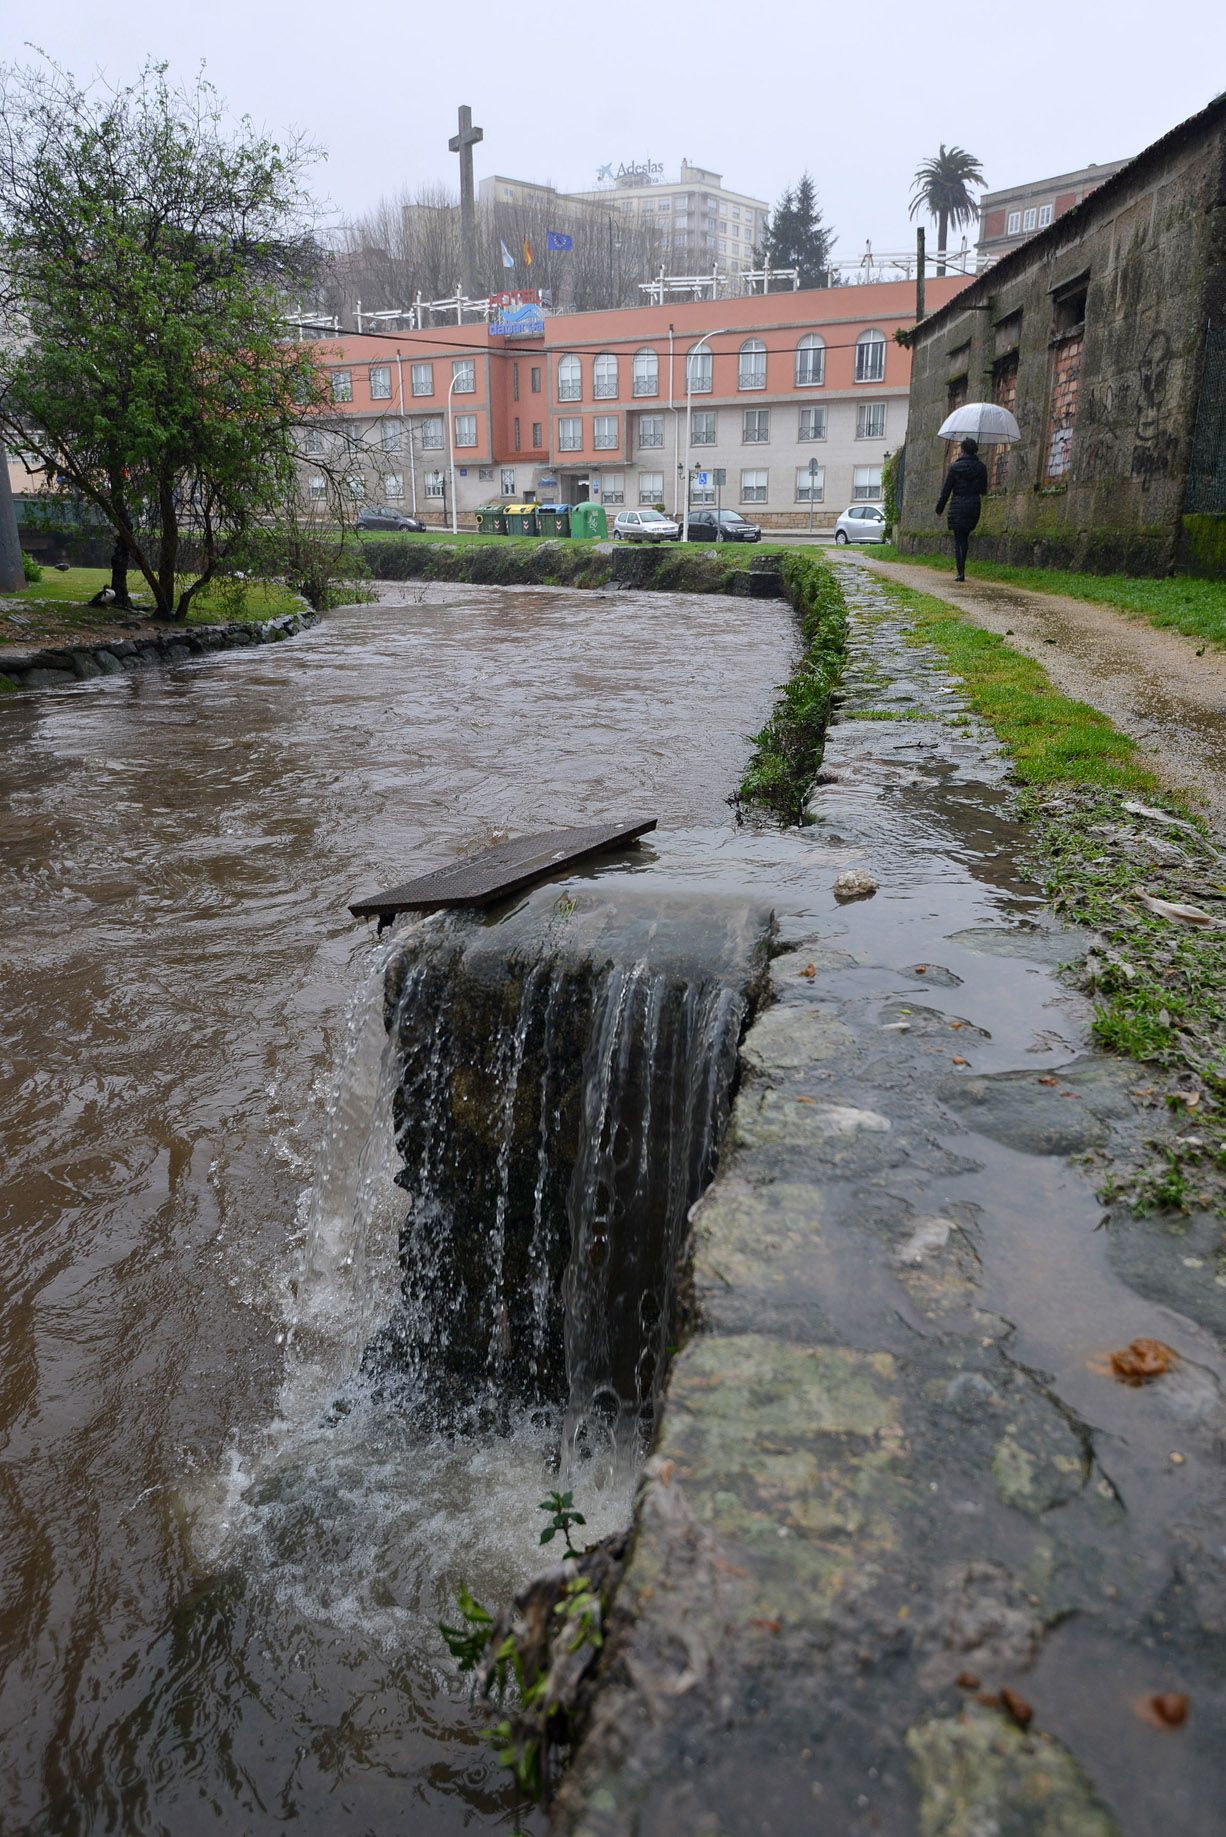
788	750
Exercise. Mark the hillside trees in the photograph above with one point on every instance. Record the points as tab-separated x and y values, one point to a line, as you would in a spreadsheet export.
146	253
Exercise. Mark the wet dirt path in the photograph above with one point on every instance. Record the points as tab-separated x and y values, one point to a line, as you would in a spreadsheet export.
1152	684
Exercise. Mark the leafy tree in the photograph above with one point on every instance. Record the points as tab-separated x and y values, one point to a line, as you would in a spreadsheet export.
796	237
145	255
941	188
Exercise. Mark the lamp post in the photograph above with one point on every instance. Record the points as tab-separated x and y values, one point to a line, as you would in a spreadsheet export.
455	377
689	418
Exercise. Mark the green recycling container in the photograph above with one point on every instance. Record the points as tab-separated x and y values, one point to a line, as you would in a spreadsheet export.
589	520
491	520
554	519
521	520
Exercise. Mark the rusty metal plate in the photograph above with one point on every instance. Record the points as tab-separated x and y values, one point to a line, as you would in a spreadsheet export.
492	873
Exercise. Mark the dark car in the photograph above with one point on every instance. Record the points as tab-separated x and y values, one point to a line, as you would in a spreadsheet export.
732	527
374	516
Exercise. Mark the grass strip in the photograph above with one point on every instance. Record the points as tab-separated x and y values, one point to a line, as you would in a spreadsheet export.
56	608
1158	985
788	750
1195	607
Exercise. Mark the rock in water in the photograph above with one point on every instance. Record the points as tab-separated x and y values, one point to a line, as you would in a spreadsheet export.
854	883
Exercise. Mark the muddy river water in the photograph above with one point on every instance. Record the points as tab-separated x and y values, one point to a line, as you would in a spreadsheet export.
218	1605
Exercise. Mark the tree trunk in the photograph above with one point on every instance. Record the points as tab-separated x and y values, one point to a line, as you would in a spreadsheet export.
12	573
168	553
942	233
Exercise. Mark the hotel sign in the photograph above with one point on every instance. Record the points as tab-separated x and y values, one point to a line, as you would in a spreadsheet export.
516	313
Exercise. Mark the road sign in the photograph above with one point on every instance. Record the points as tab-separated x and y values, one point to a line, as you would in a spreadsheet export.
704	479
719	476
813	468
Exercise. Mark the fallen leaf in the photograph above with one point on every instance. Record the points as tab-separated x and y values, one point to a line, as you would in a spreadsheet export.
989	1699
966	1680
810	970
1017	1707
921	969
1166	1709
771	1626
1136	808
1141	1360
1173	909
958	1061
1049	1081
806	1100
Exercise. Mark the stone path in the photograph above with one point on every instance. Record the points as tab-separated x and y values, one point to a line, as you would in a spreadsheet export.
1166	690
908	1559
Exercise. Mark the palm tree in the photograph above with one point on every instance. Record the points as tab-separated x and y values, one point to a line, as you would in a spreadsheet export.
942	188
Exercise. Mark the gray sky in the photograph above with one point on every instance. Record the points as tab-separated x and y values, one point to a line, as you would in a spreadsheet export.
858	95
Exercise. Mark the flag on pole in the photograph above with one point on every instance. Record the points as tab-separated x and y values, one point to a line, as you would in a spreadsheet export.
527	253
508	260
557	239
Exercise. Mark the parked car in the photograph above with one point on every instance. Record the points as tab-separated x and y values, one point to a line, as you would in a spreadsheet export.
861	523
645	526
376	516
732	526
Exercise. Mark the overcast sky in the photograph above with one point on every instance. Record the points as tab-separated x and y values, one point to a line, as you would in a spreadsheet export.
758	91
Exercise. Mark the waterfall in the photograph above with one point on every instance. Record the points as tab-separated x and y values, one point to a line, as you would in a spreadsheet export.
563	1079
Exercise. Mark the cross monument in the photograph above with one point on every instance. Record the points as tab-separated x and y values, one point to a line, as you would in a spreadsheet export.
463	144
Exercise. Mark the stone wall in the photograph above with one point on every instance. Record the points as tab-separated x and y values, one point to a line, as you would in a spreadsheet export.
1094	334
60	667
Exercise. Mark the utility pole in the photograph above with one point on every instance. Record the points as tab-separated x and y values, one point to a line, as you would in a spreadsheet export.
12	574
920	276
463	144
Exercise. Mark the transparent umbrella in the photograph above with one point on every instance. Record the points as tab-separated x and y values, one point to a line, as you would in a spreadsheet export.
981	421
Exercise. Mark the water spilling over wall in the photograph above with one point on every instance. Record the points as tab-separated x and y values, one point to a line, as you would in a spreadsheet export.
564	1079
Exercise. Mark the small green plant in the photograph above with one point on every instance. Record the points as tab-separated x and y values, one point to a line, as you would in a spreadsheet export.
30	568
580	1608
561	1505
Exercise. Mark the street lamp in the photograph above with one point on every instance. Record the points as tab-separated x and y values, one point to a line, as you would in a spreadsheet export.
456	374
689	417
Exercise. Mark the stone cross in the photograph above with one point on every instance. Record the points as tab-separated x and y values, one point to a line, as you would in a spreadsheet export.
463	144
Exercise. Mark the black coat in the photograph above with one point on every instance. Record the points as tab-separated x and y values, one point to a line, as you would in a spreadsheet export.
965	483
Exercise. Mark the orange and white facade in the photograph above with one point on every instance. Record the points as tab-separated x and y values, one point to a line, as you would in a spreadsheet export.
795	397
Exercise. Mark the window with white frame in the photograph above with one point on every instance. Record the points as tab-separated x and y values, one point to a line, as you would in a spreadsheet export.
570	379
464	374
810	486
355	485
421	379
434	484
812	424
393	485
1030	218
318	487
604	377
342	385
604	432
870	357
506	482
390	436
432	431
312	440
380	382
646	373
698	371
1044	215
651	430
651	487
570	433
613	487
466	430
870	421
810	361
753	487
751	367
1013	223
701	494
755	426
702	427
866	482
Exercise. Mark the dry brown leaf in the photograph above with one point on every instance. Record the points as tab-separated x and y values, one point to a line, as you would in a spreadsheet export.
1017	1707
958	1061
1049	1081
771	1626
1166	1709
1140	1361
810	970
966	1680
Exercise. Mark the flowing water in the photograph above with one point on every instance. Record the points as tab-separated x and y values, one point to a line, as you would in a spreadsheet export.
224	1543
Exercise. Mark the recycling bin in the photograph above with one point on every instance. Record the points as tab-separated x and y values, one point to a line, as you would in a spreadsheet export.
554	519
491	520
589	520
521	520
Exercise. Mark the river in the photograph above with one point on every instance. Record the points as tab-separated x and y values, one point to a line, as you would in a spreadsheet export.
218	1593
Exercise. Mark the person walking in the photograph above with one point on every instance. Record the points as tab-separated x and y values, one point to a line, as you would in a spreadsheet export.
965	483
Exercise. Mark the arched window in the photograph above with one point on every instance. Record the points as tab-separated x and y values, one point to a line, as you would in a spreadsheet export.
570	379
870	357
646	373
698	366
604	377
751	371
810	361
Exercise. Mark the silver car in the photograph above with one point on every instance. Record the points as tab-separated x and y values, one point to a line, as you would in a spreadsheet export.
861	523
645	525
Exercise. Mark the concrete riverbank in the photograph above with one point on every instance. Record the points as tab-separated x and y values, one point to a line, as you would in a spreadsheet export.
909	1556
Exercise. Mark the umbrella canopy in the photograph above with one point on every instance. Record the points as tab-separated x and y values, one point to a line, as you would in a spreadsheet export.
981	421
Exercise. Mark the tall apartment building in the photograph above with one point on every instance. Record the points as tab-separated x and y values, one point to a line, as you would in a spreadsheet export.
700	221
1007	218
442	420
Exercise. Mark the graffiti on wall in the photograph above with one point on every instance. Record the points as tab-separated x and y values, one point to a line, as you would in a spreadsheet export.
1153	451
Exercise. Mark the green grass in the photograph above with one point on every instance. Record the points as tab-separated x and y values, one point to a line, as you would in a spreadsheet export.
1195	607
733	554
1159	986
788	750
64	600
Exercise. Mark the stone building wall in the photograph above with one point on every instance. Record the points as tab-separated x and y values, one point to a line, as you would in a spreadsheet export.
1094	333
